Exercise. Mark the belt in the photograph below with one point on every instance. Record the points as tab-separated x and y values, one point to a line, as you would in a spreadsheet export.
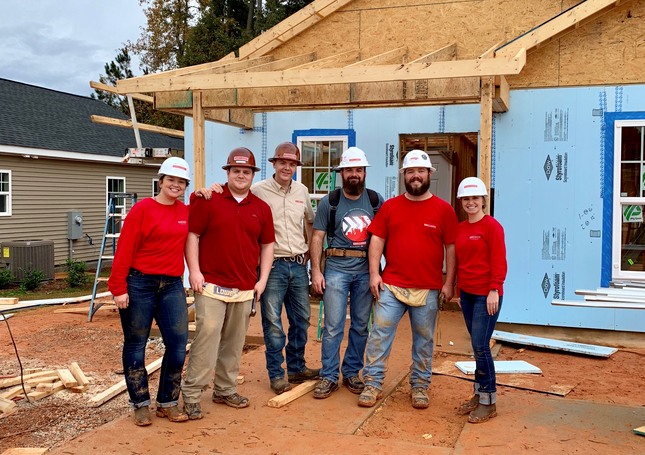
298	258
343	252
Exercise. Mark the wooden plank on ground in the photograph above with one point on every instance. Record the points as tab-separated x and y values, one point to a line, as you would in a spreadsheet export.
578	348
78	374
8	301
98	400
33	382
57	387
293	394
67	378
6	405
26	451
14	392
240	379
78	389
502	367
31	370
85	310
640	430
15	381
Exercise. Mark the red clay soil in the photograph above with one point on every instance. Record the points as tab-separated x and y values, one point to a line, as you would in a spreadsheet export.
50	340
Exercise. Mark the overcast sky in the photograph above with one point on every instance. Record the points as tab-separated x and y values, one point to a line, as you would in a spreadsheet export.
63	44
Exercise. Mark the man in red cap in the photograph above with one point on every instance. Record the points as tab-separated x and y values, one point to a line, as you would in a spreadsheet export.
229	233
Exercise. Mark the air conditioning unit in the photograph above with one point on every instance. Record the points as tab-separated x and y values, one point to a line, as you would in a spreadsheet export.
22	255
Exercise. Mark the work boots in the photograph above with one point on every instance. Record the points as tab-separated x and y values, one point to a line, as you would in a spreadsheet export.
419	397
470	405
142	416
483	413
280	386
305	375
193	411
369	396
173	413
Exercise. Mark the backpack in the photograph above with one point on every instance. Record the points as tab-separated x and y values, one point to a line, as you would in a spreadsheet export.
334	199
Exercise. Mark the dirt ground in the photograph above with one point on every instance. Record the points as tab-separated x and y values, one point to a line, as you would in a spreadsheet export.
54	340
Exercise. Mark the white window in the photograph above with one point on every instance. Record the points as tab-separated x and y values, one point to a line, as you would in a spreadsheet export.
320	154
5	193
628	236
155	187
115	185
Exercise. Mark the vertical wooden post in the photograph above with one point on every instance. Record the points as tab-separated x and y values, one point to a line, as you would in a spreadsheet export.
486	132
199	141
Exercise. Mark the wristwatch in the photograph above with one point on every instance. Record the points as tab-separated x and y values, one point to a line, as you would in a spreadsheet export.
495	290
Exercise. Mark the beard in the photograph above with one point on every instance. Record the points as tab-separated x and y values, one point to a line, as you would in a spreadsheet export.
353	186
425	186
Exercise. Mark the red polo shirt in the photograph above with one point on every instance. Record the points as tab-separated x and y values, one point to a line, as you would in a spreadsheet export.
230	236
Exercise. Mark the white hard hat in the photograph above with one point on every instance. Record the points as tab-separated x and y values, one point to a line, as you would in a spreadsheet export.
353	157
471	186
416	158
176	167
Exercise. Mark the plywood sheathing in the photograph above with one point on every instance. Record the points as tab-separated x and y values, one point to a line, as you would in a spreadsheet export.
609	50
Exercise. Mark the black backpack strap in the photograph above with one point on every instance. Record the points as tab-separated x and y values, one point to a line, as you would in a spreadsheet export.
374	200
334	199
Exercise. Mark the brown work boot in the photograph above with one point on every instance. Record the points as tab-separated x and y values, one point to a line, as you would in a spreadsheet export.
305	375
369	396
233	400
324	388
470	405
419	397
142	416
482	413
280	386
354	384
193	411
173	413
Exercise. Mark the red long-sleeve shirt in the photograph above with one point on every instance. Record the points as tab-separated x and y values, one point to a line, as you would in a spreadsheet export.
152	241
481	256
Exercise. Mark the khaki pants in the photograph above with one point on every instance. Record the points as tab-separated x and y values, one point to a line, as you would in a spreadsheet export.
219	340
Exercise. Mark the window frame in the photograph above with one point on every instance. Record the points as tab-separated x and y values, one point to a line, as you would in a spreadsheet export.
618	202
345	139
7	193
155	181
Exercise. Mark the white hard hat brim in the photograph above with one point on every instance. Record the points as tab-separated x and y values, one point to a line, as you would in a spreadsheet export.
432	169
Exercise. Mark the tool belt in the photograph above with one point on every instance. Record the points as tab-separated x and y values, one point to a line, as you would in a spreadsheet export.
298	258
345	253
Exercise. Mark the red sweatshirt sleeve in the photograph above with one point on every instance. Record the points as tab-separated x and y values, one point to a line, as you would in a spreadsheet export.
129	241
498	267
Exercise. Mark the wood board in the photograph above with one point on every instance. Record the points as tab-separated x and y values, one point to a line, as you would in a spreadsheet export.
502	367
291	395
8	301
568	346
640	430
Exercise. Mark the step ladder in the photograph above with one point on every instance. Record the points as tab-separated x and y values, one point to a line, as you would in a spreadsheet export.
112	220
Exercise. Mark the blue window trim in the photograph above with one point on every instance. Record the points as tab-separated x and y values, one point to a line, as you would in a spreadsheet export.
351	135
608	193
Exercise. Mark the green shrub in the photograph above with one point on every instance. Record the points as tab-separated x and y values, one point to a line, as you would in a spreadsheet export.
76	273
6	278
32	279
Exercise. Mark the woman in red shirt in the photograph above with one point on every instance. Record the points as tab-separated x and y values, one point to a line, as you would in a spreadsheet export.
147	283
481	271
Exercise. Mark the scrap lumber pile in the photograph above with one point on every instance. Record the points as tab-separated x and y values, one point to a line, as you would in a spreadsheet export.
620	294
38	384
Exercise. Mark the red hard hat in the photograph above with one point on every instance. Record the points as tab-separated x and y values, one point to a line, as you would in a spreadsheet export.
287	151
241	157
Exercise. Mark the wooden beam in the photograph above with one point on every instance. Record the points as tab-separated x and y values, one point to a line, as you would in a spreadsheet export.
67	378
381	73
333	61
142	126
433	90
293	394
15	381
221	66
111	89
14	391
282	64
559	26
441	55
502	98
78	374
174	100
399	55
6	405
290	27
56	387
490	53
486	132
199	141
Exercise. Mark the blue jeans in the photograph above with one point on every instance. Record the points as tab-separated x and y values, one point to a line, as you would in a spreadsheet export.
480	326
289	283
163	298
338	286
389	311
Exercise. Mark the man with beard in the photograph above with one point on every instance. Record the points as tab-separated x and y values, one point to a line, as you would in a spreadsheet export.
344	216
415	227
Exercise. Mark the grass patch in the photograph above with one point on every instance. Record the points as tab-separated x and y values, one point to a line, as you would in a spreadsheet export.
56	289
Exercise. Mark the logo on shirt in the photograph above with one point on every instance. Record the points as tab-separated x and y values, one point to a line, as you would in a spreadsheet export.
182	222
299	202
430	225
475	237
355	224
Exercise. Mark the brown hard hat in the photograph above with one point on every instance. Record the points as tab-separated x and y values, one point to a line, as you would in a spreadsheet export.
241	157
287	151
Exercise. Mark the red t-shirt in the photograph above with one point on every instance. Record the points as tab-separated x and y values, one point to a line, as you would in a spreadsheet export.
415	233
481	256
152	241
230	237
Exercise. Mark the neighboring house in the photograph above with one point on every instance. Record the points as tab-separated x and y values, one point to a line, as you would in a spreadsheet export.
53	159
566	162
